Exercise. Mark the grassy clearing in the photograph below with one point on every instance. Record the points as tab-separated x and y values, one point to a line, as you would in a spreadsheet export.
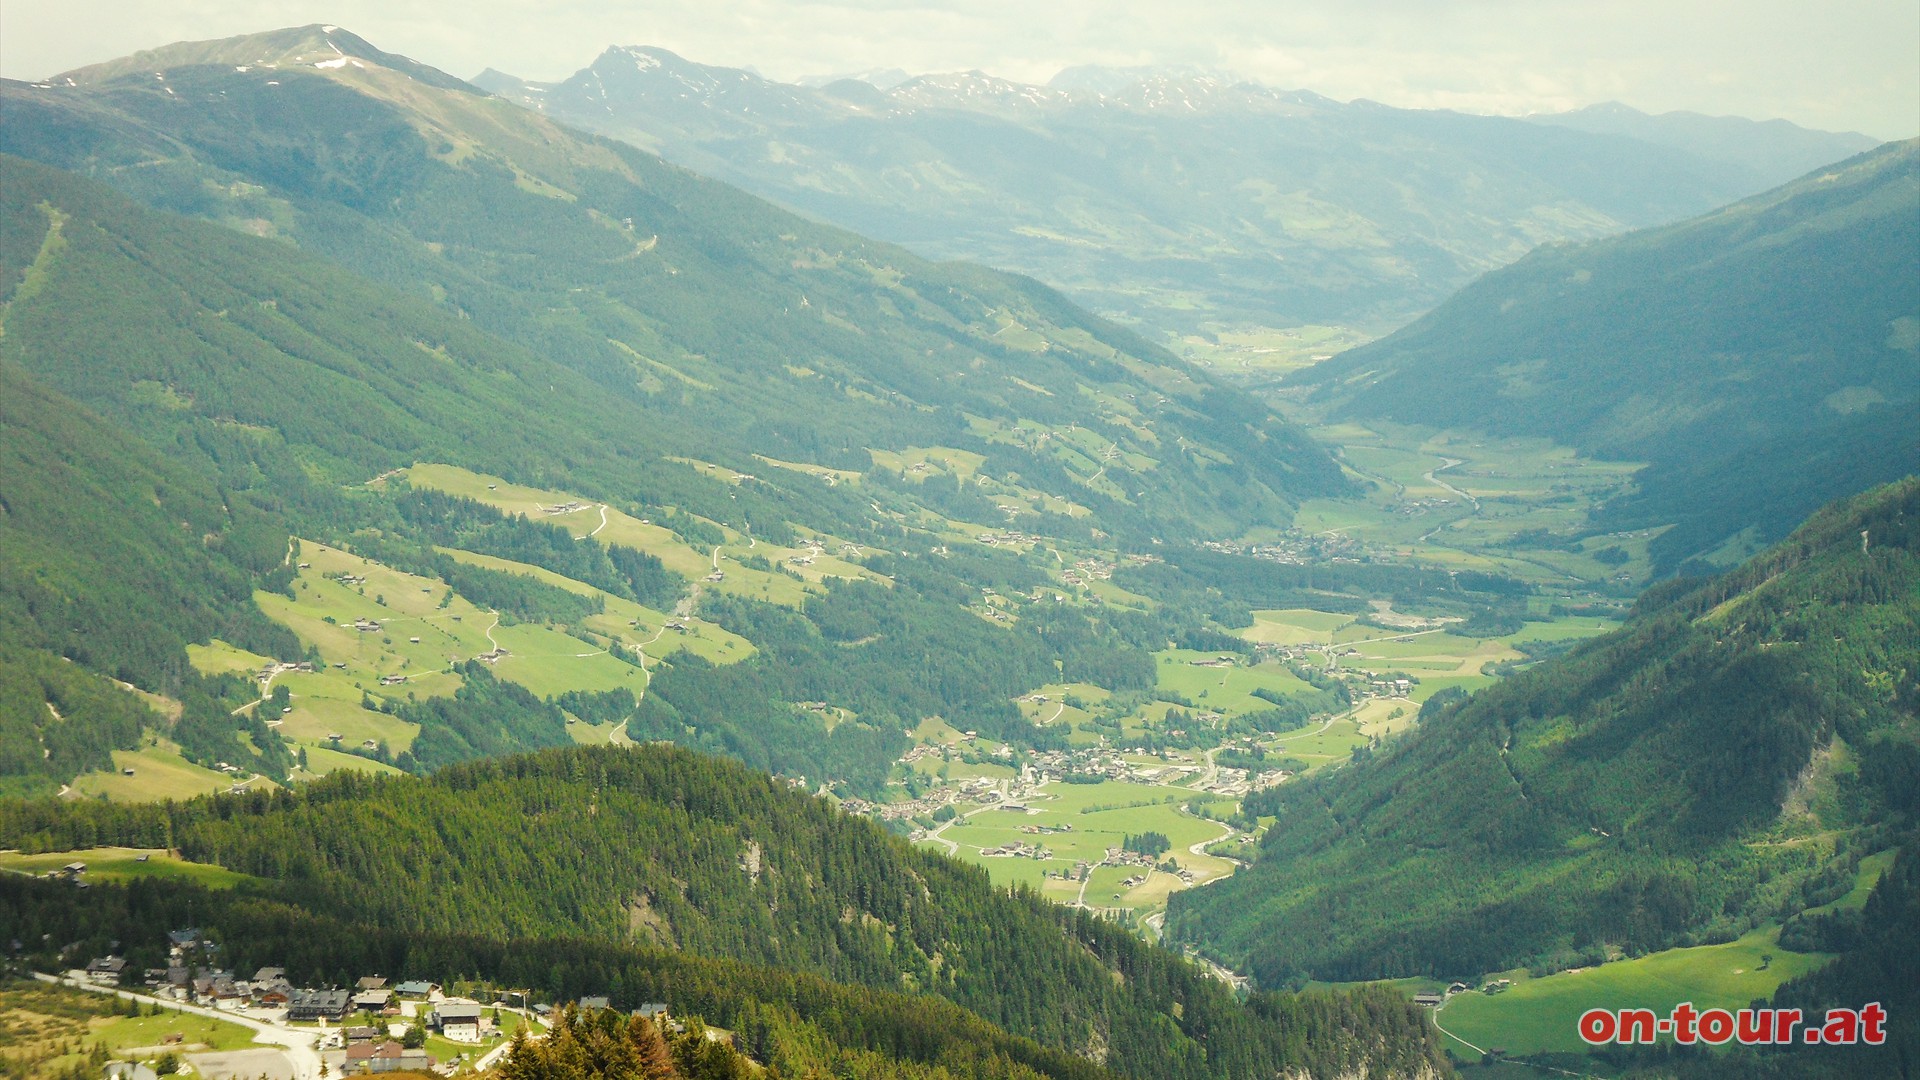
321	761
1538	1015
159	772
220	658
124	864
45	1031
1225	690
1098	817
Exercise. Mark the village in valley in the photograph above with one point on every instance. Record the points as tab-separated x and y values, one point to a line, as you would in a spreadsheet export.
198	1017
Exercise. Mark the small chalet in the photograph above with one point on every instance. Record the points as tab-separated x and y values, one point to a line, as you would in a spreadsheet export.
317	1005
594	1001
458	1022
418	990
385	1057
107	970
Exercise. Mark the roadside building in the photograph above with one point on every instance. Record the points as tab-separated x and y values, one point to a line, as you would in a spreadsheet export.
318	1005
458	1022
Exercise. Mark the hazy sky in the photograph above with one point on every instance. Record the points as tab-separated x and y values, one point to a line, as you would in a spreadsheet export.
1839	64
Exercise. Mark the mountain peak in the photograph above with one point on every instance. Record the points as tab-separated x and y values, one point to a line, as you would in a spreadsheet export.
321	45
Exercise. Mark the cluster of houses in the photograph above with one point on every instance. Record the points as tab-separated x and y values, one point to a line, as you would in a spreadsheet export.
268	673
1296	548
1016	850
1087	571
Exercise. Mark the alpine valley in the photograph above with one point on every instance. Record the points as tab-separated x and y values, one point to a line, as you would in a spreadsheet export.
450	534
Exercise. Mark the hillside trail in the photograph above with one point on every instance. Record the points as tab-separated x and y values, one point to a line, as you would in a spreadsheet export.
618	736
603	521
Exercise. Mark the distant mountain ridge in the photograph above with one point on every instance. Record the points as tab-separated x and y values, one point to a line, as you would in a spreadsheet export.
1177	199
1762	357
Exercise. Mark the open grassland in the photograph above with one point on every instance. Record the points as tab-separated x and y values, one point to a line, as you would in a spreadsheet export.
1468	502
612	526
220	658
1536	1015
1266	352
123	864
48	1031
635	625
322	760
1089	819
1227	690
158	772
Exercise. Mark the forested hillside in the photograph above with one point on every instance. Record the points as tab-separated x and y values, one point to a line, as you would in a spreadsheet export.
436	276
664	847
710	318
1723	760
116	558
1761	357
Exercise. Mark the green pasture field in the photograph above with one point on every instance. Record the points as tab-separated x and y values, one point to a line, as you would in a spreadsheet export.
550	663
1516	485
321	761
1227	690
220	658
329	704
1268	351
1134	809
159	772
619	620
405	605
1537	1015
124	864
50	1030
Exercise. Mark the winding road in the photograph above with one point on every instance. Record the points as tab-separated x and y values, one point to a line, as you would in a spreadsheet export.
296	1043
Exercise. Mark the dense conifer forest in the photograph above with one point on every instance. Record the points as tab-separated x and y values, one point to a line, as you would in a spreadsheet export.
680	851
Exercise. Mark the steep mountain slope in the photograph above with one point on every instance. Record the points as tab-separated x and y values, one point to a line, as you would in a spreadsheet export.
715	319
1722	761
1182	201
831	444
1762	357
659	845
115	558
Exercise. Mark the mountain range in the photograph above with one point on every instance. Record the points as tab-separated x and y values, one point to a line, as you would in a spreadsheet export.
1184	201
345	402
1761	358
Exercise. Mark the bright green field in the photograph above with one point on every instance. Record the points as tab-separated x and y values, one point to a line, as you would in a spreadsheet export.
123	864
159	772
1227	690
1134	808
1540	1014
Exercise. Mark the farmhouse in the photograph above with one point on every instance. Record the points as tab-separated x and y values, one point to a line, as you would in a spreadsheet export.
106	969
458	1022
317	1005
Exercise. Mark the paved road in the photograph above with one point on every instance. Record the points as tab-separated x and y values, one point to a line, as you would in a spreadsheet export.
302	1059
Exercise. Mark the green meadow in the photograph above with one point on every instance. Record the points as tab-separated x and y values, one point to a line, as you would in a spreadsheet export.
1539	1015
124	864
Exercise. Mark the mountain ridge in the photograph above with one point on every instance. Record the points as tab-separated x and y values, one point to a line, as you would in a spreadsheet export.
1780	327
